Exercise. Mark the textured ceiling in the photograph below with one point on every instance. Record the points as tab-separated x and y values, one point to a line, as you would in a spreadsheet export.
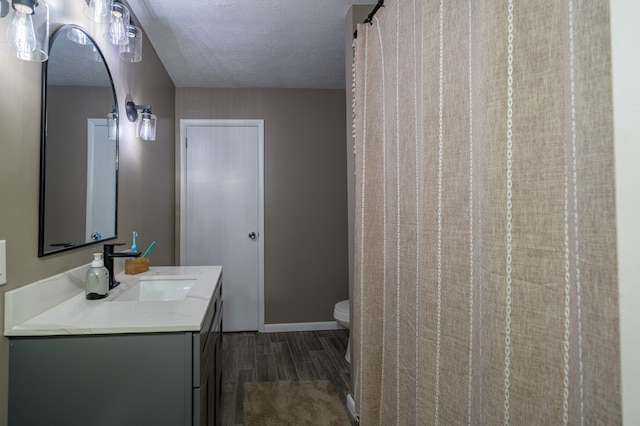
248	43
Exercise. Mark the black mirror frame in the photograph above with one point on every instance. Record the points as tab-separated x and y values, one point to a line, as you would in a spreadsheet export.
43	141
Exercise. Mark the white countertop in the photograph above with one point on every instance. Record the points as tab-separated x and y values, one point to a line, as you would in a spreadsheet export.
57	305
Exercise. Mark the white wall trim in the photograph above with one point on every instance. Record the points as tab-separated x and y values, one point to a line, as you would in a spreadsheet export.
301	326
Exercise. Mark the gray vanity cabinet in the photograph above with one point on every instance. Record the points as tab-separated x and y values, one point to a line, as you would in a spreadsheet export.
208	368
119	379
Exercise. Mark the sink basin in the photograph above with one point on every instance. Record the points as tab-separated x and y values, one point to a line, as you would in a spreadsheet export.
157	289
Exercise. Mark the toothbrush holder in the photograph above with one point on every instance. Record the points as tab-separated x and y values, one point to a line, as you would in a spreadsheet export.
136	266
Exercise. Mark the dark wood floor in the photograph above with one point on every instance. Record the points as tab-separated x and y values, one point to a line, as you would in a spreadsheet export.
266	357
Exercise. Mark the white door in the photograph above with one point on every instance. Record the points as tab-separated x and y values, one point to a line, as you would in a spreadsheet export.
101	182
222	211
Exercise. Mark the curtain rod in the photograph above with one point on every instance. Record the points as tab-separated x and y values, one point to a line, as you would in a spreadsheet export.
369	19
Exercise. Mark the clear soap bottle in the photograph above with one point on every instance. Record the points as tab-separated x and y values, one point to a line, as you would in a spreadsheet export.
97	279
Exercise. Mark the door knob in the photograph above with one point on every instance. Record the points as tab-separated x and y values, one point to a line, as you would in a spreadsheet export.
252	235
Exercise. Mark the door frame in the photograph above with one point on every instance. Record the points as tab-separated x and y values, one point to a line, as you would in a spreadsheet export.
259	124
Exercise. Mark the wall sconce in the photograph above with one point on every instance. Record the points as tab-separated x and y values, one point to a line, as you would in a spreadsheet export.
146	127
28	32
112	125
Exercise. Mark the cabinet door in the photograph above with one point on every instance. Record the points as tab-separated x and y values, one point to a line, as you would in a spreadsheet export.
124	380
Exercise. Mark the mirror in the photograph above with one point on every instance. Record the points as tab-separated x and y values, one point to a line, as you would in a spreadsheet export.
78	160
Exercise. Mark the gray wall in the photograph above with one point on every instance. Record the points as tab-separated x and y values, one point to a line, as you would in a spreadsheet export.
146	168
306	264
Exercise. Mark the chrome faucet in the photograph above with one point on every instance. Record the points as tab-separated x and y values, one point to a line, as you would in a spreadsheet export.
109	254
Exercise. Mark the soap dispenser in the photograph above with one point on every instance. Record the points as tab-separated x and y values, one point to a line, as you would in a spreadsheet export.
97	279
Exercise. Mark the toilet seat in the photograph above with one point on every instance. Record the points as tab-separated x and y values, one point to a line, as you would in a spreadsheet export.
341	311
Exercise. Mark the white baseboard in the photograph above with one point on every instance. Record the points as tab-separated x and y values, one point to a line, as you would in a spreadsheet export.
301	326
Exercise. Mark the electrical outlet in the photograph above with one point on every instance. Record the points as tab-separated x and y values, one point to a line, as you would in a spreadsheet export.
3	262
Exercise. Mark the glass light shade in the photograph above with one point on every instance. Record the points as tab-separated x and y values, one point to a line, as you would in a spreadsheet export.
132	51
146	126
112	125
28	35
98	11
117	32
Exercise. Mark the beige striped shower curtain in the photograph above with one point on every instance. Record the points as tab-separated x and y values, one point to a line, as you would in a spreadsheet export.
485	263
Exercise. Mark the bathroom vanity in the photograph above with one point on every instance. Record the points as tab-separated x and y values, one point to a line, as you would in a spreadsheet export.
145	355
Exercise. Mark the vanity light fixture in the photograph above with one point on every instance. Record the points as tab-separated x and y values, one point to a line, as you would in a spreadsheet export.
117	33
146	126
28	32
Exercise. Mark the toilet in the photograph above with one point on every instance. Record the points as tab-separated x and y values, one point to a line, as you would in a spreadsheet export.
341	315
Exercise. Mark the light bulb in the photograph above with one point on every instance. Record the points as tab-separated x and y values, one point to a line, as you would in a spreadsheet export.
117	30
145	129
119	19
21	35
